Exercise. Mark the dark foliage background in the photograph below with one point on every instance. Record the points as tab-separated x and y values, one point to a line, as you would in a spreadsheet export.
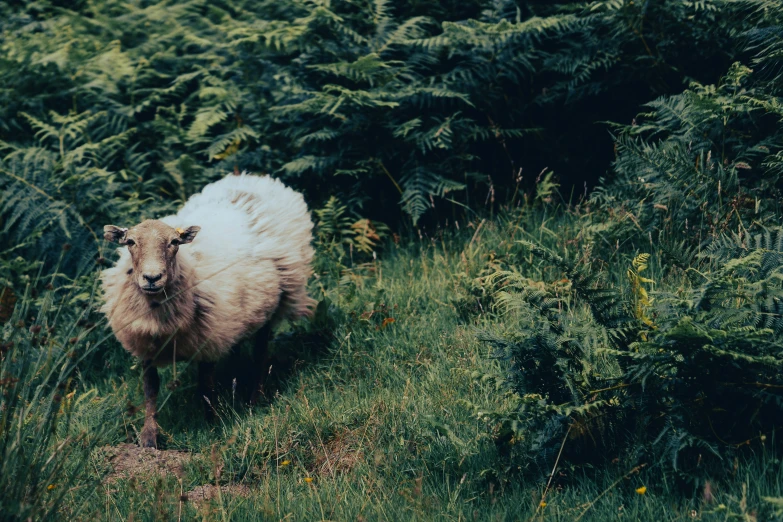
400	104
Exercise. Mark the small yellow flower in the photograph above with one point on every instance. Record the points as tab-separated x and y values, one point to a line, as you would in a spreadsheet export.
51	486
542	504
308	479
285	463
642	490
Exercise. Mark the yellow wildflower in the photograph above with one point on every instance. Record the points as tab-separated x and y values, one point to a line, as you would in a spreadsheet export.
51	487
642	490
542	504
308	479
285	463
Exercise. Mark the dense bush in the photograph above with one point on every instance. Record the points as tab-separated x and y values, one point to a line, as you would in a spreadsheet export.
675	379
684	365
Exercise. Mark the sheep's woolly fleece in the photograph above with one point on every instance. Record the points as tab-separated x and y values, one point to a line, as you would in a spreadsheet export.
248	265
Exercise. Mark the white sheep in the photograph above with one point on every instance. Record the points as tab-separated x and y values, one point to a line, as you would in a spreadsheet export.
248	268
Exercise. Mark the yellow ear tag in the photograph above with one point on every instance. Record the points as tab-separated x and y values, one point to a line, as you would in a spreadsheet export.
179	231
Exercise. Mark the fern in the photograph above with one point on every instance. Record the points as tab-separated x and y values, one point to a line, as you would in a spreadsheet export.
335	226
694	379
314	90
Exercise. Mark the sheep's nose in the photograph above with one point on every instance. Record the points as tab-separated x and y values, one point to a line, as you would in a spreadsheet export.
151	279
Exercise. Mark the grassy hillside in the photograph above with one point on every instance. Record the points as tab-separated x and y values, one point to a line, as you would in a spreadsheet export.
371	412
533	305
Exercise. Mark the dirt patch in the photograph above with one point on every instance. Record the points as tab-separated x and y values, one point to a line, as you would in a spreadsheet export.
201	494
131	461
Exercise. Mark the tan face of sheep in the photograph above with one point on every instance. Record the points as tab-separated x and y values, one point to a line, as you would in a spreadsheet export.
153	247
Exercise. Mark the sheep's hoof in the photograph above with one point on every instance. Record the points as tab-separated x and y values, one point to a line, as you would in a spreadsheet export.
149	437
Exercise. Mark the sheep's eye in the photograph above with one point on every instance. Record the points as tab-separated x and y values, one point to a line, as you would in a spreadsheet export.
130	242
175	242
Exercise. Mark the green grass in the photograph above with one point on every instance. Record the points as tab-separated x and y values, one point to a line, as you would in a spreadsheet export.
374	419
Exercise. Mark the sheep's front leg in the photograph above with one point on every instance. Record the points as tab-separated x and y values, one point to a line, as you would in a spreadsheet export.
206	388
260	362
149	434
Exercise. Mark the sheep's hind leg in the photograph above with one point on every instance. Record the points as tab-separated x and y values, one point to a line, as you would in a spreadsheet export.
206	388
149	434
260	362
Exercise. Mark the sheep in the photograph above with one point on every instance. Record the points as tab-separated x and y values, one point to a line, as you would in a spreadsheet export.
244	263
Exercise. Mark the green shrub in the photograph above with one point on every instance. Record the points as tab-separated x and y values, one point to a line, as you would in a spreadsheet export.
608	372
684	367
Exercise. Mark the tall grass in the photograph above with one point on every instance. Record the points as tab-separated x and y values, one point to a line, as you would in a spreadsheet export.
51	419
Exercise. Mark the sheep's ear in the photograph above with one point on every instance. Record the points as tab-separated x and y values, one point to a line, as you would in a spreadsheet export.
187	235
115	234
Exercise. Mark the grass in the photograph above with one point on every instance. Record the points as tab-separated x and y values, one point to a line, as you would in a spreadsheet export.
370	416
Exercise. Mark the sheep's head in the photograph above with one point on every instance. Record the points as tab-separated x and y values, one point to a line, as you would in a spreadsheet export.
153	247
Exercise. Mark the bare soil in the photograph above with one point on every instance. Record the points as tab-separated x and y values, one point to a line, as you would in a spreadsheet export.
200	494
131	461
